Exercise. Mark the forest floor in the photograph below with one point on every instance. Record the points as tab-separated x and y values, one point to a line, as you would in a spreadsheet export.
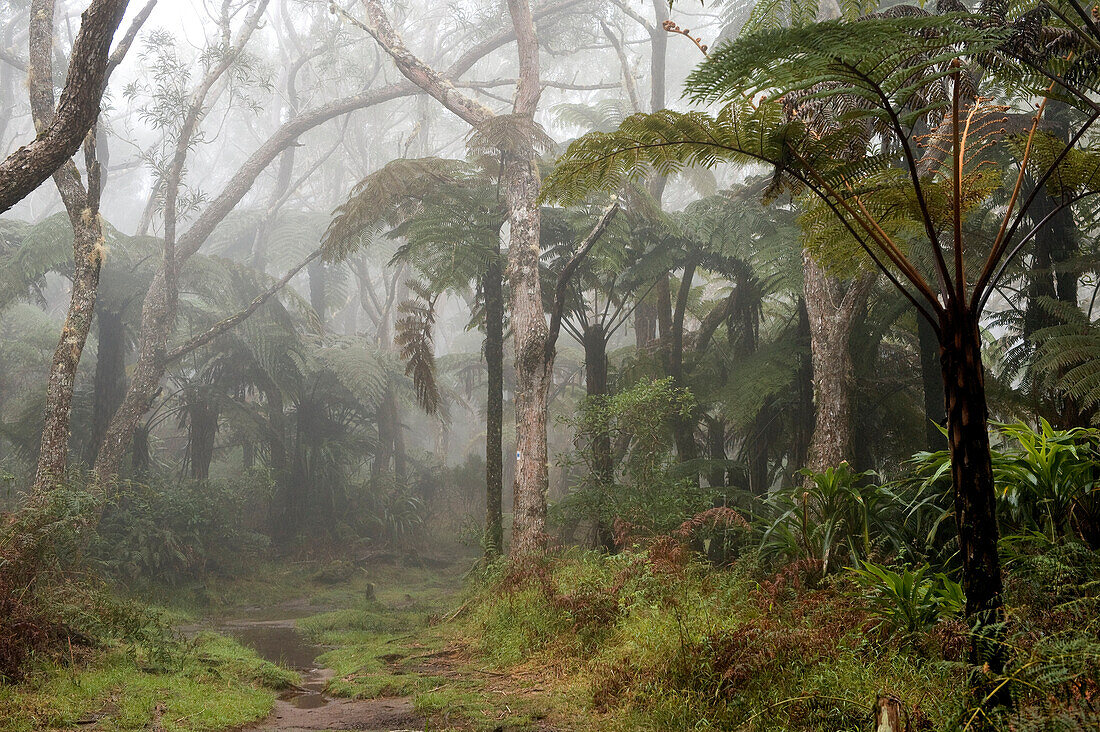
378	645
338	645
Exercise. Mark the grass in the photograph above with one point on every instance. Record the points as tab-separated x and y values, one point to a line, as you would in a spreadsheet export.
640	643
214	683
642	640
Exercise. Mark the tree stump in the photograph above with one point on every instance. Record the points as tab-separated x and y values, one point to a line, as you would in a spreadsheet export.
890	715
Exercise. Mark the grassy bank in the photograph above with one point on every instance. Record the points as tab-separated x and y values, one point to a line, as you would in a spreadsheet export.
207	683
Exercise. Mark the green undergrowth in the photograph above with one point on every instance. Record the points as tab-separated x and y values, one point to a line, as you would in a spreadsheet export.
657	639
207	683
653	640
401	637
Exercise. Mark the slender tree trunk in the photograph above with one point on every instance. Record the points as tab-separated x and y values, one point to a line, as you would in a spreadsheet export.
277	459
804	378
603	465
932	381
716	451
532	367
202	430
493	288
157	321
384	449
158	317
110	376
54	447
683	428
972	477
82	205
534	361
831	307
400	466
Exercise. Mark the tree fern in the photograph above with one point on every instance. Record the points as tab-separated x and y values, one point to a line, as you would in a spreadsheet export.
414	337
384	197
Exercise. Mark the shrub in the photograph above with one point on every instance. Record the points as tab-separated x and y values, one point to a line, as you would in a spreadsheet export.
913	599
840	517
174	532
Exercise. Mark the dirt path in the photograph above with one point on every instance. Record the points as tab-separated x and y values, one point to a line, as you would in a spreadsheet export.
307	707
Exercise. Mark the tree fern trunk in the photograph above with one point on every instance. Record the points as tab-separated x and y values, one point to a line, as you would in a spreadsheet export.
932	382
493	288
202	430
110	376
603	470
972	477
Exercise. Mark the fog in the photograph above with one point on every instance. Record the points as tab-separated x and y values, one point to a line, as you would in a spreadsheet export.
551	364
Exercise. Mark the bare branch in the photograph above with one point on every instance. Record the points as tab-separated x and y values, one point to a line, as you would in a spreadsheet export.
227	324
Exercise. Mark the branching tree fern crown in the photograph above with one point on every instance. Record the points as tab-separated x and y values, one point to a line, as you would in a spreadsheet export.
881	121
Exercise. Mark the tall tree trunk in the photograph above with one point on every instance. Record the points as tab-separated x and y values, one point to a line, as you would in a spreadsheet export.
157	321
683	428
158	317
201	432
54	448
400	462
603	466
716	451
384	448
110	376
804	395
831	307
972	477
932	382
534	361
532	367
493	288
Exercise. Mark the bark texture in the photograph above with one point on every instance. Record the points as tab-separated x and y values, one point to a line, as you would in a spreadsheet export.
972	477
831	307
82	207
493	289
110	375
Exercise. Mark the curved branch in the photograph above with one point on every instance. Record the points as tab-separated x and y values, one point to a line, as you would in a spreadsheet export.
223	326
26	168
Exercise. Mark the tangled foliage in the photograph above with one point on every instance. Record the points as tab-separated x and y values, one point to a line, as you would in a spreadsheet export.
45	613
175	532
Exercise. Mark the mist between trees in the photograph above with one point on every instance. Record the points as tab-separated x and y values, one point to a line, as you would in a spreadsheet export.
709	333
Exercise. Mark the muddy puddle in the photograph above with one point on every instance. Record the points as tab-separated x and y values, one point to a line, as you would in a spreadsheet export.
306	707
280	641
